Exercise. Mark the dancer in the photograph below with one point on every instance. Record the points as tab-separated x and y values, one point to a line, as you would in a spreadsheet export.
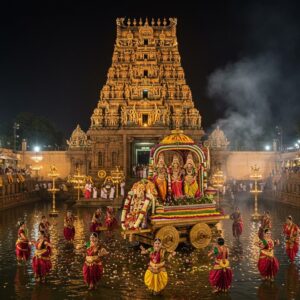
22	244
92	267
110	219
96	221
266	223
220	277
237	225
69	229
268	264
41	263
44	227
291	232
156	276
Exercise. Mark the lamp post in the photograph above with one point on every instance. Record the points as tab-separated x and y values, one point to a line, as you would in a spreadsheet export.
53	175
117	175
218	182
255	175
78	180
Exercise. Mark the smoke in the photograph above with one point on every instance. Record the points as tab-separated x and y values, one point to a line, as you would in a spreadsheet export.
261	90
245	89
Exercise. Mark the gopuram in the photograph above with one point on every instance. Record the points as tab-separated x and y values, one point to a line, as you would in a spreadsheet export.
144	98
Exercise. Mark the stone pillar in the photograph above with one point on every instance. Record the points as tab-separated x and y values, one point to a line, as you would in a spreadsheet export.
125	154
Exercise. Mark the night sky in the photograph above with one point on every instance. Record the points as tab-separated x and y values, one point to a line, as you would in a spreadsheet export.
55	56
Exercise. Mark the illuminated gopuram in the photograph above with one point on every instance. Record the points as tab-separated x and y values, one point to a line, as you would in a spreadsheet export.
144	98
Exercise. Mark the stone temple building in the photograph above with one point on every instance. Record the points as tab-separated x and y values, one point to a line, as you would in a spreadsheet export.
145	96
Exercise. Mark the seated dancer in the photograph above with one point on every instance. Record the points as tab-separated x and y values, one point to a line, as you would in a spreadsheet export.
44	227
220	277
266	223
291	232
69	229
22	243
41	263
92	267
156	276
96	221
268	264
237	225
110	220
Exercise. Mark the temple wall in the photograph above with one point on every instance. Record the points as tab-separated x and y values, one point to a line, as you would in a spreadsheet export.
57	158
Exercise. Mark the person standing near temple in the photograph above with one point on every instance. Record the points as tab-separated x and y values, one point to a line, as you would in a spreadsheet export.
96	221
22	243
95	192
291	233
69	229
88	190
220	277
44	227
268	264
266	223
237	225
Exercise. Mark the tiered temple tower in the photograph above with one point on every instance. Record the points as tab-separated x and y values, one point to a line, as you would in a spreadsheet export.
144	98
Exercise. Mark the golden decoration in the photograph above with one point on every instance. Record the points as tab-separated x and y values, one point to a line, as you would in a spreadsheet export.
169	237
176	137
101	174
200	235
224	263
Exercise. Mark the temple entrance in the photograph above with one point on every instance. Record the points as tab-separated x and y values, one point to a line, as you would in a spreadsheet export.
140	157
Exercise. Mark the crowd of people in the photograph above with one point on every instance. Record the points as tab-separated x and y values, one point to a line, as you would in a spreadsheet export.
140	171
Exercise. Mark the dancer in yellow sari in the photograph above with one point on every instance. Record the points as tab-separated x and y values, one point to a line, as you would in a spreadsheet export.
156	276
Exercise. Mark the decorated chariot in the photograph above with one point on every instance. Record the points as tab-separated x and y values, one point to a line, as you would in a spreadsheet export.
174	203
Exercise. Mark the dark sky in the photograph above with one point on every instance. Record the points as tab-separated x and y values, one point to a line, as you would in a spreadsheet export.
54	55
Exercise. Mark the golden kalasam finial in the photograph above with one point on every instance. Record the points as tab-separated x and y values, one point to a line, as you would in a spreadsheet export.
146	22
128	22
152	22
134	22
165	22
140	22
158	22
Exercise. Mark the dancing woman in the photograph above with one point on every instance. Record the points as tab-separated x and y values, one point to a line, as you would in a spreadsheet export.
44	227
41	262
96	222
220	277
110	220
237	225
268	264
69	229
92	267
291	232
22	243
156	276
266	223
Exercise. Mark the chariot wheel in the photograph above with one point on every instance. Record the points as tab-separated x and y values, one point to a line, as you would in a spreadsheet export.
200	235
169	237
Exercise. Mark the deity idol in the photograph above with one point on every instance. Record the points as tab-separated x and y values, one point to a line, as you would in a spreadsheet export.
176	179
191	187
160	178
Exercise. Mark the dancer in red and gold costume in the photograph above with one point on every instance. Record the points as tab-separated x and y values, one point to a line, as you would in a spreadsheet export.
96	221
44	227
266	223
237	225
92	268
41	262
156	276
110	220
69	229
291	232
268	264
22	243
220	277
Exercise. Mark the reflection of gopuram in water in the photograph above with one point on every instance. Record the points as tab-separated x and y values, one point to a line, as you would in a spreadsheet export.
144	98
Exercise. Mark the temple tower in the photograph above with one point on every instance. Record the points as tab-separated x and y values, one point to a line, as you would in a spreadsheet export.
144	98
